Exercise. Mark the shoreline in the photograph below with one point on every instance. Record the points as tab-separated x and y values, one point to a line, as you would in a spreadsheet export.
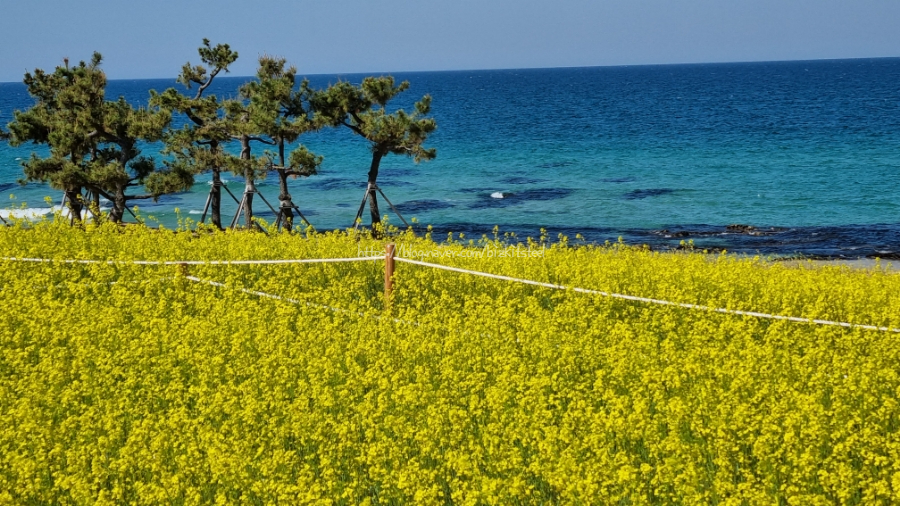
856	264
856	246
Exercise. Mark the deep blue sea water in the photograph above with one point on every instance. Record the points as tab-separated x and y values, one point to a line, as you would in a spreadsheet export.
807	153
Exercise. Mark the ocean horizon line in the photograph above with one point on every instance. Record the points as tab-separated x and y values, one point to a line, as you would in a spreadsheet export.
513	69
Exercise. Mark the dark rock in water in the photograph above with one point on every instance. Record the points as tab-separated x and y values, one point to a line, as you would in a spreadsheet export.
493	200
554	165
342	204
711	231
740	228
522	180
544	193
396	171
652	192
416	206
841	242
388	182
336	184
667	234
751	230
167	201
618	180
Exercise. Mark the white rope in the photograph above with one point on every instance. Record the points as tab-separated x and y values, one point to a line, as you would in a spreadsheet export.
447	268
648	300
196	262
295	301
264	294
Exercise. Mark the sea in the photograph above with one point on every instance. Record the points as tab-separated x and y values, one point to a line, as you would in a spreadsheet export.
796	158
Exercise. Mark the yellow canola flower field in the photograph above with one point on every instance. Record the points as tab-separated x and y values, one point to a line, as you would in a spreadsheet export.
137	384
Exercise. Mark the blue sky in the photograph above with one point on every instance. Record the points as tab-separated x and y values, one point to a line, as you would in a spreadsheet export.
142	39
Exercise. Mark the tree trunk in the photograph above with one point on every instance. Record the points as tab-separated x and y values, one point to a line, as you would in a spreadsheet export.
215	199
76	206
284	196
119	200
95	206
119	203
284	199
248	200
250	187
373	176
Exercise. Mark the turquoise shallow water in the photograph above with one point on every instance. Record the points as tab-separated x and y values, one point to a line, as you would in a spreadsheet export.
808	153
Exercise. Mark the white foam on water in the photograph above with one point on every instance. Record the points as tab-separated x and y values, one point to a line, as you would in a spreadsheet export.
194	211
35	213
29	213
497	195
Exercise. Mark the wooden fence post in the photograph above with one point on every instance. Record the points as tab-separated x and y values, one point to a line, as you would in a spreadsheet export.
388	274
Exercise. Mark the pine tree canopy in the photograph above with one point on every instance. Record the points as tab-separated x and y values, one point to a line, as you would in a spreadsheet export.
217	58
363	109
93	141
280	113
197	147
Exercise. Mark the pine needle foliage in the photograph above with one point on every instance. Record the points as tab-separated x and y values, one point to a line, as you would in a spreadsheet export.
363	109
279	111
198	147
93	141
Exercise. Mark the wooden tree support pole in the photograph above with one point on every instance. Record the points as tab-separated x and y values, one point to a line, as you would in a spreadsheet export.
388	274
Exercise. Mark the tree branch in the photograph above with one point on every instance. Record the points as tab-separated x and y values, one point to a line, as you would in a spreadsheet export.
101	192
356	118
205	85
353	127
189	112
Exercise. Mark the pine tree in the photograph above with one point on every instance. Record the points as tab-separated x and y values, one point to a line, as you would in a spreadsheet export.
116	162
363	110
199	146
93	141
64	101
241	127
281	113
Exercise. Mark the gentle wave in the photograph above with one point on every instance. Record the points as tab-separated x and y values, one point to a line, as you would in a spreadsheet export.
28	213
35	213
